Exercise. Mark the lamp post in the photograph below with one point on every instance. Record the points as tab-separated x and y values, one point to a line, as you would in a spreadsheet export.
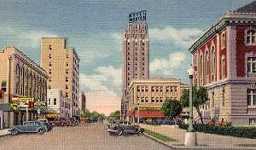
9	89
190	136
138	119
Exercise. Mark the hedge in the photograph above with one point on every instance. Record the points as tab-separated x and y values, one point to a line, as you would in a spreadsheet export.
246	132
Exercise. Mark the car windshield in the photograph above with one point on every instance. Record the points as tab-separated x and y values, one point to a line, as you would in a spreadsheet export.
28	123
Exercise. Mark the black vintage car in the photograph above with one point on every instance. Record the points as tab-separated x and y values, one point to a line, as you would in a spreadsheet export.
29	127
122	129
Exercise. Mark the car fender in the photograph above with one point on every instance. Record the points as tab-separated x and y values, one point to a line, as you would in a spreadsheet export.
18	129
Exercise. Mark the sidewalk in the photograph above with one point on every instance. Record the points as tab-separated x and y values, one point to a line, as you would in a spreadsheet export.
4	132
205	141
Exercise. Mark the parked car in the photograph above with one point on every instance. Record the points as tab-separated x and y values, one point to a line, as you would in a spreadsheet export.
29	127
132	129
47	123
122	129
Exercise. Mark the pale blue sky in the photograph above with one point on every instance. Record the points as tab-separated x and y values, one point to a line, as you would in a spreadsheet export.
94	27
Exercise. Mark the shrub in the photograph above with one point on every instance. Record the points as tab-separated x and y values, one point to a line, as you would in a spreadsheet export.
246	132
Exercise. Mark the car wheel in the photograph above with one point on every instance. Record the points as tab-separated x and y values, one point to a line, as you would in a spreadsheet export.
14	132
41	131
120	132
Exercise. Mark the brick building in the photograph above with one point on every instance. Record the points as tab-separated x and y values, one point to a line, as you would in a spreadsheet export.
150	94
224	61
24	86
135	53
62	66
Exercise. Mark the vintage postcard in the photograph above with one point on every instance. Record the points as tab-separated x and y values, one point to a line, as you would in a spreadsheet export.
127	74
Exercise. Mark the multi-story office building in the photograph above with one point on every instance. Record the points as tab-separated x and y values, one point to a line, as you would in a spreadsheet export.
135	53
24	84
224	61
149	95
83	102
62	66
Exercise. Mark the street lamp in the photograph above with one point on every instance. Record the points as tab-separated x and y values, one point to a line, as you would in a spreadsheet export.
9	88
190	136
138	119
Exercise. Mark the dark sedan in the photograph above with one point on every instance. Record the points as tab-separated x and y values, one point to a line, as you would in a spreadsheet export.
29	127
121	129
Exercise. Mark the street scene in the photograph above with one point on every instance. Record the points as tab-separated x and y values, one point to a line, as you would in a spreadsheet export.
110	75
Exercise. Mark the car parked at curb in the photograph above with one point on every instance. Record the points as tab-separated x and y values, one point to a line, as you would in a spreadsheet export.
29	127
124	129
46	123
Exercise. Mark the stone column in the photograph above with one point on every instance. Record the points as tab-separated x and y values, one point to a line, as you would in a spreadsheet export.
231	52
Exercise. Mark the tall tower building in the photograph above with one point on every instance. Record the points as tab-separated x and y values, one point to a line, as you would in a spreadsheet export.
135	52
62	66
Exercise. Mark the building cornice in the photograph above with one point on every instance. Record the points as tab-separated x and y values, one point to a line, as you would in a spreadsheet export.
223	82
230	18
19	54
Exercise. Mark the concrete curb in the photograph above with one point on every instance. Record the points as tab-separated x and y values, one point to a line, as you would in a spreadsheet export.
4	132
173	146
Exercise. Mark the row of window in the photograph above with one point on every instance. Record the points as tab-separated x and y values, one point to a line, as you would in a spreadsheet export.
157	89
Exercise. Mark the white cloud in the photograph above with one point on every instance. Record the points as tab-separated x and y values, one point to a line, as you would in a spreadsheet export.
22	38
106	79
183	37
166	66
33	38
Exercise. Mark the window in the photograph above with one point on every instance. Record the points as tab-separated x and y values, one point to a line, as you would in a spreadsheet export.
252	121
213	63
251	65
67	64
50	56
50	47
54	101
50	64
223	96
251	97
223	40
212	99
250	37
66	86
66	79
223	73
49	101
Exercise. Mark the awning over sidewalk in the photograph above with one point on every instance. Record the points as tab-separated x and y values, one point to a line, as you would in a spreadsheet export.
150	114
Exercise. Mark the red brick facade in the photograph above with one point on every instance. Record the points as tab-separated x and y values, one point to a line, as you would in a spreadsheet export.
224	61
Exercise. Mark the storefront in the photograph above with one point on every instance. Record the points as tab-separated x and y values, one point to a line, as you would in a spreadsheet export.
146	113
26	109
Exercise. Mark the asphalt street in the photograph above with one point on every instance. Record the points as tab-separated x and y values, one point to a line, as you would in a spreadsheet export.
83	137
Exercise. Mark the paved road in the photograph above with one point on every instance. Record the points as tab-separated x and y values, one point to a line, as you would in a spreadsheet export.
87	137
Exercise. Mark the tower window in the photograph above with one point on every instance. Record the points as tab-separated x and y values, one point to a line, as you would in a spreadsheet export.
50	47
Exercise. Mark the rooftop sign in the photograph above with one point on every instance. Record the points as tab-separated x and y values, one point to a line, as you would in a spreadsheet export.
138	16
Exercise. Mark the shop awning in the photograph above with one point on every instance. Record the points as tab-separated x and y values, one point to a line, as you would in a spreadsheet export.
150	114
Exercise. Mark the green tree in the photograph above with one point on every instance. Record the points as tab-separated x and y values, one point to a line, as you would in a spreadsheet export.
171	108
200	96
115	115
94	115
85	114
